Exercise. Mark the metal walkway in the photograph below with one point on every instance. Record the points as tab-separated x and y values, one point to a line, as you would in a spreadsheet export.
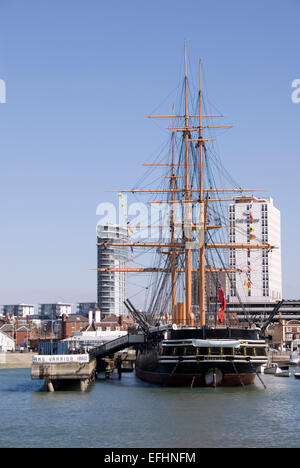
112	347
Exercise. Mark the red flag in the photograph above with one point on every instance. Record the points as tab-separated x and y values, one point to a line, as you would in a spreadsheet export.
223	303
251	218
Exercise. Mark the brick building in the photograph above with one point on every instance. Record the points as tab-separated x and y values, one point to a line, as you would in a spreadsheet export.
111	323
72	324
19	332
285	334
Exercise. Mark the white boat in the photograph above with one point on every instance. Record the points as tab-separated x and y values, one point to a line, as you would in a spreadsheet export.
274	369
271	368
282	373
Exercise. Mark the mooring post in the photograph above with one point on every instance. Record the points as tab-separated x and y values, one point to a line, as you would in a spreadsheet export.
50	386
84	384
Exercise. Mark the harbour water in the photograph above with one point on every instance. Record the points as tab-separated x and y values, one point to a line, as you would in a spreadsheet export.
132	414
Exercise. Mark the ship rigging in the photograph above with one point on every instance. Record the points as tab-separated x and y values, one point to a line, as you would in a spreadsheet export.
195	222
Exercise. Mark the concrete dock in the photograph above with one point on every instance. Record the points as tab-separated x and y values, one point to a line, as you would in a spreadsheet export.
57	370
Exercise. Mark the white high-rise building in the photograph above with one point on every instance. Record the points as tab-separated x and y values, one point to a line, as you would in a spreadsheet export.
112	286
255	221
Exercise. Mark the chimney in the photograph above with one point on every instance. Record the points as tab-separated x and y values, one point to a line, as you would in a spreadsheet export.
90	316
98	315
64	317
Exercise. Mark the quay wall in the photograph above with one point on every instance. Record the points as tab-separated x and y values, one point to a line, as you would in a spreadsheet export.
15	360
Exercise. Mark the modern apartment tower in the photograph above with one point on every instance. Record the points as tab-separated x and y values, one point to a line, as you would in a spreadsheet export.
112	286
255	221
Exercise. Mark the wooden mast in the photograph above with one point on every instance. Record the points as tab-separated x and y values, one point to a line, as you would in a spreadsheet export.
202	220
173	248
187	210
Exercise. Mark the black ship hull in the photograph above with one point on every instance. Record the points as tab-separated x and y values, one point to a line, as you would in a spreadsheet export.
204	375
186	360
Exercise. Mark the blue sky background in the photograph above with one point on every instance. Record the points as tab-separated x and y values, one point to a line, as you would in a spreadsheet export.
82	75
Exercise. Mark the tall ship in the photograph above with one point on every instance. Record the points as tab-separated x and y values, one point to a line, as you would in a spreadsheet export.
190	340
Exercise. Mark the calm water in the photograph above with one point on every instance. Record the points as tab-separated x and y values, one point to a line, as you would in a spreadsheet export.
133	414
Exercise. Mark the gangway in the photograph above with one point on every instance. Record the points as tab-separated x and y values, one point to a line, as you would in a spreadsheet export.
112	347
127	341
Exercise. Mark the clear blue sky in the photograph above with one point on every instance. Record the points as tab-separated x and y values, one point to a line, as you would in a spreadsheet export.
82	75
